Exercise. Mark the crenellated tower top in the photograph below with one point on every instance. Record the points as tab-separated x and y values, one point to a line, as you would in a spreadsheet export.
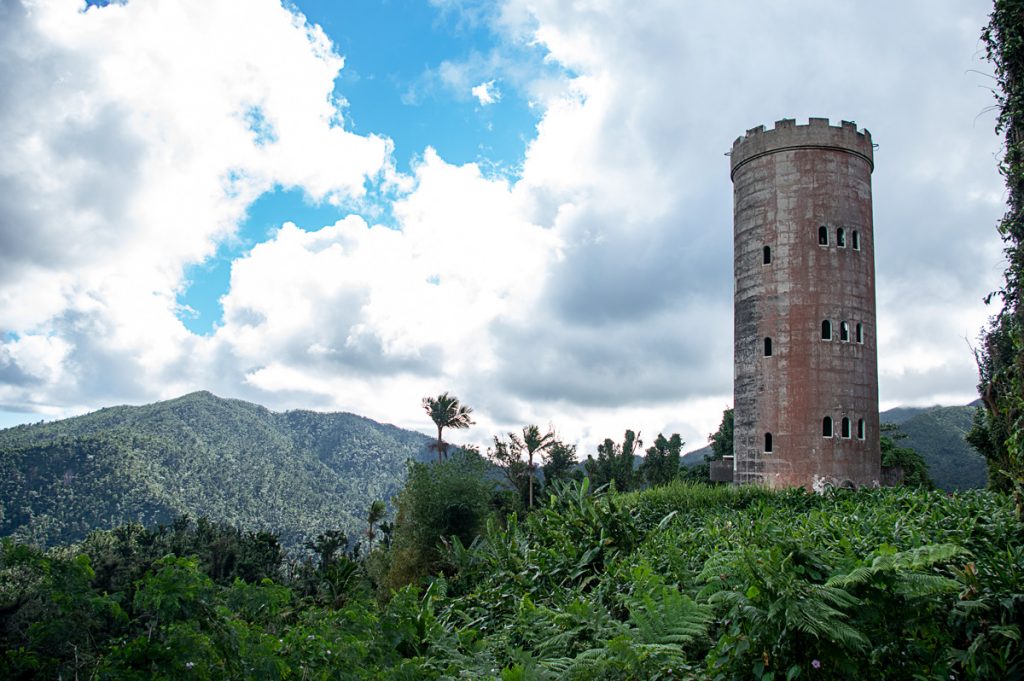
817	134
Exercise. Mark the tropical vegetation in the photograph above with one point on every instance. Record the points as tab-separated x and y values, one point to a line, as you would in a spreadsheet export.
677	581
446	412
999	429
491	573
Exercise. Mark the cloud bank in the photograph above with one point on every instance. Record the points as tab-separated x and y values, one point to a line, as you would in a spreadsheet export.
592	290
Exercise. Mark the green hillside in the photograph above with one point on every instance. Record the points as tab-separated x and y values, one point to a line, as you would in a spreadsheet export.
900	415
297	473
696	457
938	435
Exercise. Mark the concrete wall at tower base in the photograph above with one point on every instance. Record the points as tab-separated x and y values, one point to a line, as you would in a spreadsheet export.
721	470
784	474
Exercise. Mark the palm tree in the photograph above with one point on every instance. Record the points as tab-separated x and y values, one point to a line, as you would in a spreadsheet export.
375	515
446	412
535	442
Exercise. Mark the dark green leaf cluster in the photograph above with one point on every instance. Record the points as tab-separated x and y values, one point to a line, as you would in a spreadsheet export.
721	439
440	503
661	465
615	462
560	463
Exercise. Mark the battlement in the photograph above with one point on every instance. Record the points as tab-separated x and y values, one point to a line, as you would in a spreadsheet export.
787	135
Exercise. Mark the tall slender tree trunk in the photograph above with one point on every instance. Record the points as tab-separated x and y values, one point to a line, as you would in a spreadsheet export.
440	444
531	479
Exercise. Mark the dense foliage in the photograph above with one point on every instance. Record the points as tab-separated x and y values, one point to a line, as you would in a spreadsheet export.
296	474
661	464
440	502
895	454
615	463
721	440
674	582
999	432
518	456
560	463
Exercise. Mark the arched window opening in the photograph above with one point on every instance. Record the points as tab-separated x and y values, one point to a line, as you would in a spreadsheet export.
856	240
840	238
860	429
767	255
826	427
767	347
768	443
860	332
823	236
844	428
844	331
826	330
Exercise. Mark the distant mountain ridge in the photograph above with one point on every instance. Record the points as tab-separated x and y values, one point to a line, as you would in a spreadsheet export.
937	433
296	473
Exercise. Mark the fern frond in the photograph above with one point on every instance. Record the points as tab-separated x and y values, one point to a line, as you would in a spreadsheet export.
927	556
560	666
857	576
906	568
917	585
835	597
671	618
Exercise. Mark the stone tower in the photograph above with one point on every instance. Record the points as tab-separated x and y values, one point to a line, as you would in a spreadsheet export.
806	365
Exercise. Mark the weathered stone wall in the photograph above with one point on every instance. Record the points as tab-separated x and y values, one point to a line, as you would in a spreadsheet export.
788	183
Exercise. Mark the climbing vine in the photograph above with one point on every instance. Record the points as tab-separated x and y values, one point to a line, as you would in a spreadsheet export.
999	431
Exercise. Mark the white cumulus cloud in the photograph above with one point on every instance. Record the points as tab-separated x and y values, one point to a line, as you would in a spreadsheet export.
135	137
486	93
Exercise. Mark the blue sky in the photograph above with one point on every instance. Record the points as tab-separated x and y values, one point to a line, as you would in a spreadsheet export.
391	88
391	49
523	202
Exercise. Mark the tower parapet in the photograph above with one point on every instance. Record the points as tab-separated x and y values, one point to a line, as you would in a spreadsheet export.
817	134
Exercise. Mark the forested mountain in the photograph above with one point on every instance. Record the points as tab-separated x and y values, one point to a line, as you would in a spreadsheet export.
696	457
938	435
296	473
